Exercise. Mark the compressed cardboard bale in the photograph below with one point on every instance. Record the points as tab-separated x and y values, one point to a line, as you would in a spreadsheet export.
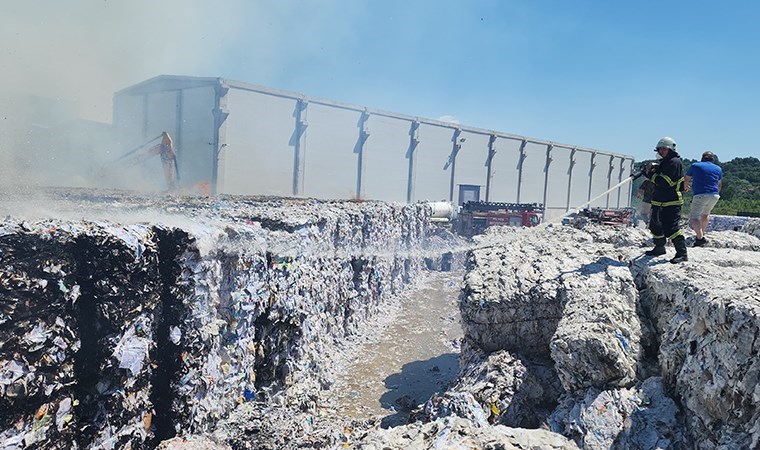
102	391
642	418
752	226
455	432
717	222
271	311
198	338
699	318
511	299
513	296
39	337
707	349
504	390
36	322
119	275
511	302
597	342
225	297
730	239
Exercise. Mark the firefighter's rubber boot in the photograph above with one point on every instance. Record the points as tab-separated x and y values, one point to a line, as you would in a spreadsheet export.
659	248
680	244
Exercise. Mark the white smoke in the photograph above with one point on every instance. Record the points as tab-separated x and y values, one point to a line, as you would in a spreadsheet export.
63	61
81	51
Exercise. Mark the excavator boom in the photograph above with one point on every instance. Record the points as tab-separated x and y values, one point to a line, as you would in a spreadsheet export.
165	149
169	161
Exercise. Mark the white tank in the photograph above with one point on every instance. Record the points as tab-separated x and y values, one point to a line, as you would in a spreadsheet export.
442	210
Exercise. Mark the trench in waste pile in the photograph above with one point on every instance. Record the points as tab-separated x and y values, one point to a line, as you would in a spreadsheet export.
408	357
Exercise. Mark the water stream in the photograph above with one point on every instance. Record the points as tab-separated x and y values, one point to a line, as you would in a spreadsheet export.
579	207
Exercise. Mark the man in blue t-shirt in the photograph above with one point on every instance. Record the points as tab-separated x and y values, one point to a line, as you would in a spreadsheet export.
705	179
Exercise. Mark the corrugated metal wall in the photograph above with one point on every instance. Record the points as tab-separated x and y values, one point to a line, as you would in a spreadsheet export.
258	158
281	143
385	164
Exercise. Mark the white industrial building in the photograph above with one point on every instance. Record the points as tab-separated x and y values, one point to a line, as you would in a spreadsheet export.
240	138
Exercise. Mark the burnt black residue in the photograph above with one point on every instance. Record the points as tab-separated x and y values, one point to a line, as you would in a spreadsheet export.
87	360
24	305
446	262
118	288
358	265
169	314
266	338
277	225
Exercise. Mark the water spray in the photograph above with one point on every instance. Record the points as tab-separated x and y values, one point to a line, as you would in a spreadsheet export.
578	208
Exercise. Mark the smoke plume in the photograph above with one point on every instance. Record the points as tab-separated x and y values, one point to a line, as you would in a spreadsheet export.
62	62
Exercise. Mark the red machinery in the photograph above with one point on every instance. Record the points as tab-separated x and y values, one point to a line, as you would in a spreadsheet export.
475	217
621	217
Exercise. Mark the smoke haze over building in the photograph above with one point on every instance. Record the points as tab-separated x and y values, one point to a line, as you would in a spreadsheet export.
534	70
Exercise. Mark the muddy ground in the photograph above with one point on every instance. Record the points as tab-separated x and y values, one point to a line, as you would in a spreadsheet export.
412	354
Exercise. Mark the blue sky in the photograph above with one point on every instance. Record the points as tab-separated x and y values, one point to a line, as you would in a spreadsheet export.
615	76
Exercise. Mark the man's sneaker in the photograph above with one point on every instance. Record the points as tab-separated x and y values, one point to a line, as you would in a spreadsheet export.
679	259
700	242
657	251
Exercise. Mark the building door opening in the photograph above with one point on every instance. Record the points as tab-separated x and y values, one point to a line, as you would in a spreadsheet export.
468	193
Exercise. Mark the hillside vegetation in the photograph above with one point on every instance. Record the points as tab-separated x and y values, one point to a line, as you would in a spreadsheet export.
740	194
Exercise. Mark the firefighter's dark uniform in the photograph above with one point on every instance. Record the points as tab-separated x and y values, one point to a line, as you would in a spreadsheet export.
666	204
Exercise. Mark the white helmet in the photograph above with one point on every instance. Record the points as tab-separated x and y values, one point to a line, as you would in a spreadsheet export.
666	142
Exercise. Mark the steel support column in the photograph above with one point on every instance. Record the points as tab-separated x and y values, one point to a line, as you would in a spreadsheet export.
630	185
620	180
609	179
359	150
414	141
220	116
452	162
489	168
299	150
591	176
549	160
570	178
520	161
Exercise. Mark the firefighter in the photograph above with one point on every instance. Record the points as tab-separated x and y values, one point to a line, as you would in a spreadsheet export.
668	180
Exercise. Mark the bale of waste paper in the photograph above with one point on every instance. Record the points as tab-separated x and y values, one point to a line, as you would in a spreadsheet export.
597	342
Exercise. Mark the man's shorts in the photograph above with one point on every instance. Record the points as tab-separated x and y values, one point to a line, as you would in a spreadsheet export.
702	205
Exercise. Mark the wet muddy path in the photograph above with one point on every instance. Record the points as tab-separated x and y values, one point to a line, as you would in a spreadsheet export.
412	353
